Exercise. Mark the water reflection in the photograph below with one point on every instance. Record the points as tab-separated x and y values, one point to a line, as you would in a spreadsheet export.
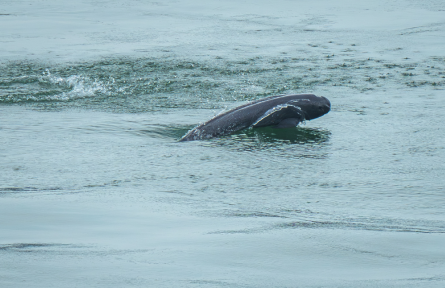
290	143
165	131
297	142
295	135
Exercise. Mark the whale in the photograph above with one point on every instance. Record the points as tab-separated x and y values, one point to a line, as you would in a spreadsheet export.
281	111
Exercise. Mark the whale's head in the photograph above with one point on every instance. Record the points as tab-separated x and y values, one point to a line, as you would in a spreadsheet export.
313	106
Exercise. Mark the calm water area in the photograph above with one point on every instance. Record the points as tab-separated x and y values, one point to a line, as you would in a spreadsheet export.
96	190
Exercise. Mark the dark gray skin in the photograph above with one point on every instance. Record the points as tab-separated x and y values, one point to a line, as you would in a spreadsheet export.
282	111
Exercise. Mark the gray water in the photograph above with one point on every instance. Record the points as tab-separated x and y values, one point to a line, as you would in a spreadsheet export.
96	190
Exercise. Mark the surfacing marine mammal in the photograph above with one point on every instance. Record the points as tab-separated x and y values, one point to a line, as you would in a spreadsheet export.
282	111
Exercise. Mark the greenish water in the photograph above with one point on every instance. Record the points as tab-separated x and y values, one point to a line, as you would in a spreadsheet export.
93	149
96	190
142	85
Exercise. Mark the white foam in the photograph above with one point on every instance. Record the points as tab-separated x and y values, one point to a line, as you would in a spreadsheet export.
81	86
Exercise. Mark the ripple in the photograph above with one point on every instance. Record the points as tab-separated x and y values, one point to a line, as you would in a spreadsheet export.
382	225
295	142
148	84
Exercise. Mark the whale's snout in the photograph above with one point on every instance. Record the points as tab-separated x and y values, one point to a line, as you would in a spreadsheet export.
327	103
324	105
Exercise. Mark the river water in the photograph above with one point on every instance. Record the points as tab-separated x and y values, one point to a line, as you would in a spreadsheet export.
96	190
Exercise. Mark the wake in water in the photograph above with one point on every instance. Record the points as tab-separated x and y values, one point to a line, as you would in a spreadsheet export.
49	87
138	85
77	86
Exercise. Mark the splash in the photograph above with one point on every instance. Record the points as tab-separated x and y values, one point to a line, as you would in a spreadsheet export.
29	87
77	86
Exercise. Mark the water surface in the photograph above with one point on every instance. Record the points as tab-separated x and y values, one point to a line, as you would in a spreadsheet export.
96	190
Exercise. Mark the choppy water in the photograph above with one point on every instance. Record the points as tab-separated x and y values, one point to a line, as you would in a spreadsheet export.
96	190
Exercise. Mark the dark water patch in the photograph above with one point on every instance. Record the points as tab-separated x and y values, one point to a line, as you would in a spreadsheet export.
113	183
428	279
295	142
408	74
284	213
32	247
11	190
383	225
213	283
140	127
61	249
296	135
18	189
241	231
423	83
254	214
149	84
388	225
175	132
